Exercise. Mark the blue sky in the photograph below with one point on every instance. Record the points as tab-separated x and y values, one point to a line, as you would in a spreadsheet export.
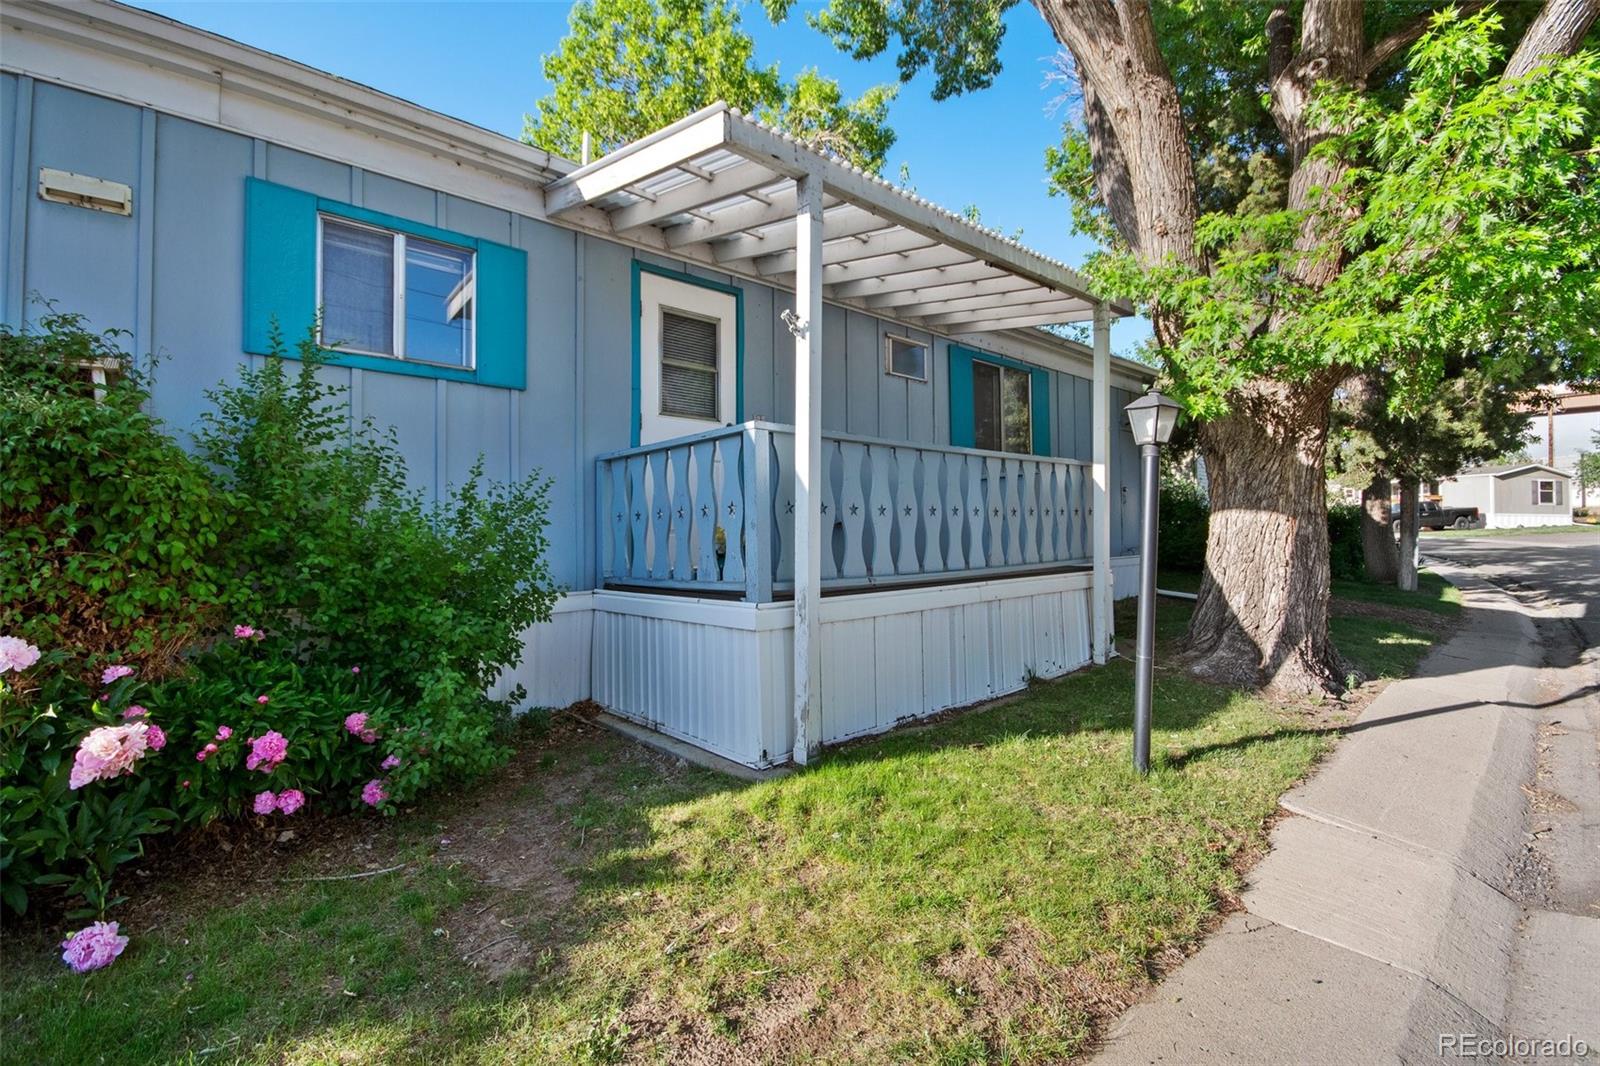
479	61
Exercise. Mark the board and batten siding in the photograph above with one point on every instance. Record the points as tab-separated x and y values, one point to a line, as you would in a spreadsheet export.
172	274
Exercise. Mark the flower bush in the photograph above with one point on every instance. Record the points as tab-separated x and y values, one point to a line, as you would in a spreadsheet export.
278	624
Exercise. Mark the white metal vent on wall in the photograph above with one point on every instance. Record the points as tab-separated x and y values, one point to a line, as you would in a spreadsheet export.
80	190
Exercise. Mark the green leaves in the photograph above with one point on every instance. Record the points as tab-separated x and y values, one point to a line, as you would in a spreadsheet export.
629	67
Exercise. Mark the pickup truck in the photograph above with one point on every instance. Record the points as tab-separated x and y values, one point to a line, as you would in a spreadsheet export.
1432	516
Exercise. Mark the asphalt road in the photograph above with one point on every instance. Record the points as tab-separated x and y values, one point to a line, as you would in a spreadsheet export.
1556	573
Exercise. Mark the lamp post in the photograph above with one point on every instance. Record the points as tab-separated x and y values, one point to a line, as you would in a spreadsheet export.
1152	418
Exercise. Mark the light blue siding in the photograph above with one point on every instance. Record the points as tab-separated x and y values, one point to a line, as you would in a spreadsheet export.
174	273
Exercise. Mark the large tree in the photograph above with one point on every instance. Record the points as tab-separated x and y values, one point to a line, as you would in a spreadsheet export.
626	68
1295	191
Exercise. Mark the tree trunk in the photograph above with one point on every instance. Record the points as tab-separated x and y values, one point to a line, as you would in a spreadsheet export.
1409	518
1557	30
1262	614
1378	554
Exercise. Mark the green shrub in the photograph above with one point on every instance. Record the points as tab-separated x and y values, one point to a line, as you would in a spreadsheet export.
108	529
333	556
53	835
1185	516
281	590
1345	556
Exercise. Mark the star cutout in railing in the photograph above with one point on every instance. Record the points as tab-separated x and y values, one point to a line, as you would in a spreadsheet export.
908	510
882	510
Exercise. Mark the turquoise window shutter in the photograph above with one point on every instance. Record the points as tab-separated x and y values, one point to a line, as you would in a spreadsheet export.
963	434
280	268
502	316
1041	412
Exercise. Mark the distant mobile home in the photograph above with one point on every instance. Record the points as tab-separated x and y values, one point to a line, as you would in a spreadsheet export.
1512	495
816	470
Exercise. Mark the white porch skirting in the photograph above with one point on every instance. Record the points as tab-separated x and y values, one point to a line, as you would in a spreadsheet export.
719	674
1506	520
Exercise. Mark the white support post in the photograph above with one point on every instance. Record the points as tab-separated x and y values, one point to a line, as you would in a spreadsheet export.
807	466
1100	454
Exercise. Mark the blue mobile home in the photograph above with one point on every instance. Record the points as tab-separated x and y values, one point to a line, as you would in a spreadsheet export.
773	535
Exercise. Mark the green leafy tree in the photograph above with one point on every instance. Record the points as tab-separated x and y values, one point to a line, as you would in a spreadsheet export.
1588	472
1296	192
629	67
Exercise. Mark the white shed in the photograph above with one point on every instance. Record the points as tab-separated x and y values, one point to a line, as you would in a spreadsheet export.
1512	495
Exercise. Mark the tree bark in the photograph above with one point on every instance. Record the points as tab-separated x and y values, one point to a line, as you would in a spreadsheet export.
1261	618
1409	518
1378	553
1556	30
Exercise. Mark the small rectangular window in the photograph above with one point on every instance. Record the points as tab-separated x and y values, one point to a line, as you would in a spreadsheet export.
388	293
1002	414
688	366
906	358
1544	492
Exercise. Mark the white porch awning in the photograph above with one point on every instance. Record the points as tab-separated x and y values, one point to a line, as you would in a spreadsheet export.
720	188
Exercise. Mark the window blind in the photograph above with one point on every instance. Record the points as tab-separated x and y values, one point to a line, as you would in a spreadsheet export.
688	366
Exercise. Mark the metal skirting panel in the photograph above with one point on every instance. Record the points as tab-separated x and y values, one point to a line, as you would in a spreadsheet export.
897	666
555	658
712	682
720	674
1506	520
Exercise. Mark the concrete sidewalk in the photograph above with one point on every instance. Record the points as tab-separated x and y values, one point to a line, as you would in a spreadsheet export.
1394	907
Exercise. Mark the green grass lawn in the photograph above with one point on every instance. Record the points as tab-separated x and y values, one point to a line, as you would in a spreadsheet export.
988	887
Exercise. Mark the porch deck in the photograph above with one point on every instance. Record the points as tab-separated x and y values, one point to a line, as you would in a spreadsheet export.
712	514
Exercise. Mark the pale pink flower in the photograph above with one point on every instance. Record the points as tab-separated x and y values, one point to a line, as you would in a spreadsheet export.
262	700
373	794
390	763
266	802
356	725
355	669
135	711
200	756
16	654
108	751
291	800
267	751
156	737
114	673
93	947
224	732
244	632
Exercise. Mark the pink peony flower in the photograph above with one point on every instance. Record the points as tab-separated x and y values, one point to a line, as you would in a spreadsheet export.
356	725
109	751
262	700
244	632
266	803
390	763
373	794
93	947
224	732
16	654
291	800
200	756
155	737
355	669
135	711
185	783
267	751
114	673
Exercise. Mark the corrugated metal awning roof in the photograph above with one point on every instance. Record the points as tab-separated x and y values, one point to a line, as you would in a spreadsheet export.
720	188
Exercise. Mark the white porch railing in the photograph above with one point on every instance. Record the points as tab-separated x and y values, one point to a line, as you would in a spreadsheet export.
714	513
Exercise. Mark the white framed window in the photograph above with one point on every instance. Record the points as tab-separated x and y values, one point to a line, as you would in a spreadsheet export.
905	358
387	293
688	347
1002	408
1544	492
